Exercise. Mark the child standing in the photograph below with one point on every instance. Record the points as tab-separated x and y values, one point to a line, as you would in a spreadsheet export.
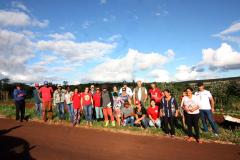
76	99
117	103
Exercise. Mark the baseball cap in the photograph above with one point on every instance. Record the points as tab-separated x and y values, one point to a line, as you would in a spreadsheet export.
124	82
45	82
59	85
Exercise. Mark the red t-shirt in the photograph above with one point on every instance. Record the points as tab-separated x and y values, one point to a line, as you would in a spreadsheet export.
86	97
153	112
76	98
156	94
97	99
46	93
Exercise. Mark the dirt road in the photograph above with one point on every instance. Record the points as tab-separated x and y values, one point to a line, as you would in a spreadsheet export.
33	140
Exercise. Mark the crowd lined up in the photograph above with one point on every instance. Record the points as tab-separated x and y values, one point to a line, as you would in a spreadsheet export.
124	106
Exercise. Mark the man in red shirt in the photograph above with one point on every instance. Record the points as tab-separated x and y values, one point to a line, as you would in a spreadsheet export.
153	114
86	103
45	93
155	93
97	104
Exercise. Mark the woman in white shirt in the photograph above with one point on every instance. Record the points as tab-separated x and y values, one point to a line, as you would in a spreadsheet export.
189	104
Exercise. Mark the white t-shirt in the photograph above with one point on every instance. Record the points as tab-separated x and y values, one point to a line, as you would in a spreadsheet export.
187	102
68	96
128	91
203	99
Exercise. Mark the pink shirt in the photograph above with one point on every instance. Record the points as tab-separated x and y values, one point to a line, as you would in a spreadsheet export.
46	93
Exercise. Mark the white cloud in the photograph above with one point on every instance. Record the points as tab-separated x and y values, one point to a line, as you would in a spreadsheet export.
17	18
223	58
125	68
160	75
20	5
76	52
233	28
64	36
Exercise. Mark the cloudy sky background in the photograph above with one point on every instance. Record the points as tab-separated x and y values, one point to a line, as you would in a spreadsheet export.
115	40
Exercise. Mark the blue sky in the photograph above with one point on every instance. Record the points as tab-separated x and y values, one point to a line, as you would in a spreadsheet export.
116	40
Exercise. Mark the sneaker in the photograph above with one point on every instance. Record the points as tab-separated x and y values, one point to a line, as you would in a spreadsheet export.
106	124
90	124
215	134
113	123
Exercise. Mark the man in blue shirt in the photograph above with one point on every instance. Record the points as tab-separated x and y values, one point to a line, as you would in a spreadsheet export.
19	98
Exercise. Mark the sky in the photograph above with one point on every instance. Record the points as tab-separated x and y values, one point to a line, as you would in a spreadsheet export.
83	41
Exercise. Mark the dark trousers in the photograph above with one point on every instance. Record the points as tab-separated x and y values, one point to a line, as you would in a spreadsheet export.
169	121
192	121
20	109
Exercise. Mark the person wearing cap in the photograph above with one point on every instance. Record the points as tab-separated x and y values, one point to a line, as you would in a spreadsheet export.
107	103
124	96
97	104
58	101
127	114
206	107
69	102
45	93
87	104
169	112
128	90
140	93
153	114
140	113
37	100
19	98
92	89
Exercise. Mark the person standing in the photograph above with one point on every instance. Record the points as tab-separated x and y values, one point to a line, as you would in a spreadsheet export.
190	105
117	104
155	93
128	90
87	104
181	110
76	99
140	93
58	101
206	106
19	98
169	111
125	97
69	103
97	104
153	114
45	93
107	104
37	100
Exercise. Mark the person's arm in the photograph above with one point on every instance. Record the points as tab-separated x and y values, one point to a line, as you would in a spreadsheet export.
134	97
145	98
176	107
81	101
212	103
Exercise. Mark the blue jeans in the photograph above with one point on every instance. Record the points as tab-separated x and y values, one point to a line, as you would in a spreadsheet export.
70	111
129	120
99	113
60	107
38	108
207	114
145	122
156	124
88	113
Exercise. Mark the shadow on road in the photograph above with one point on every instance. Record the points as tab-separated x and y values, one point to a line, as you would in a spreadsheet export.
14	148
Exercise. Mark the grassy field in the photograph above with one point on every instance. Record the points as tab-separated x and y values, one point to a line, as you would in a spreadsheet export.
226	135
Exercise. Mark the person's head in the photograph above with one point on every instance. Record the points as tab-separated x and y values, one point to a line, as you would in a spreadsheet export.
115	95
200	86
36	85
68	88
86	89
98	90
76	90
18	86
139	83
154	85
115	89
59	87
138	104
184	93
189	91
45	83
126	104
152	102
124	90
104	88
92	87
167	93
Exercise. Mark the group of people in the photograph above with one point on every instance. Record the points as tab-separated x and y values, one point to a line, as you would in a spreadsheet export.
124	107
